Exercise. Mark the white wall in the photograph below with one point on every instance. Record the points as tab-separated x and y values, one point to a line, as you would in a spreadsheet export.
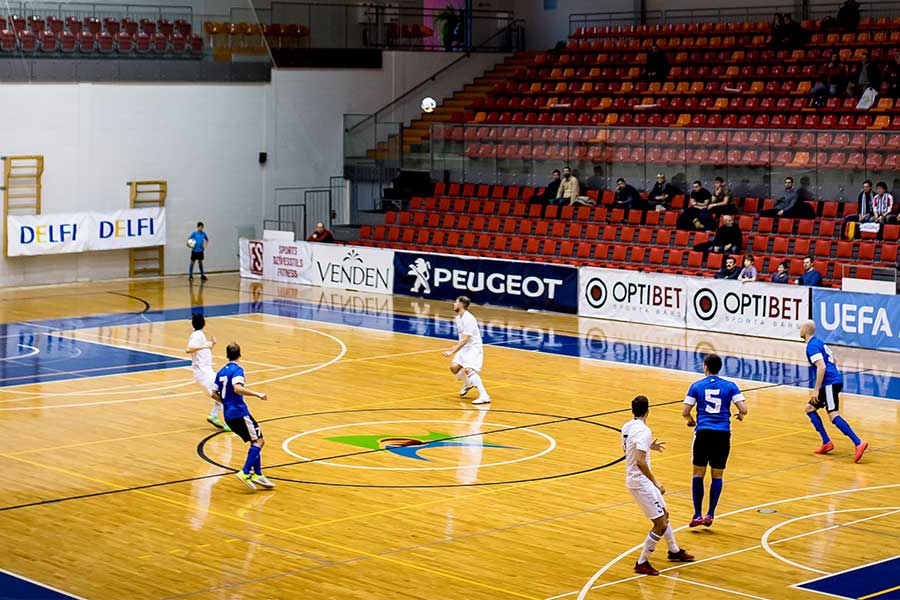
546	27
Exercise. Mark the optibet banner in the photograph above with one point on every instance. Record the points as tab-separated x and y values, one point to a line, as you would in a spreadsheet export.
353	268
632	296
63	233
487	281
754	308
854	319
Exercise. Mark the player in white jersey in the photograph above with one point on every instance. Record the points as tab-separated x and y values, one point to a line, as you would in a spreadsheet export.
637	441
469	351
200	350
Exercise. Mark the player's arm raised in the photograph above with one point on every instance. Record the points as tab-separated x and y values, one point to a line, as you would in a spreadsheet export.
641	462
462	342
191	349
245	391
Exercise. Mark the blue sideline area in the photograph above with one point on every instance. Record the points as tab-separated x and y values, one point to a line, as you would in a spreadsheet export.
878	581
13	587
87	359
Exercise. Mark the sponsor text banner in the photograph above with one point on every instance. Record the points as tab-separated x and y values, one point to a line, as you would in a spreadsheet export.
353	268
632	296
857	319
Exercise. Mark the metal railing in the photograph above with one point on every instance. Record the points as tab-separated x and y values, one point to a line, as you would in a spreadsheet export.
98	10
305	206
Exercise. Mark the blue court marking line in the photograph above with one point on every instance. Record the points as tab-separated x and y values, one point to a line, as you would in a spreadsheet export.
634	353
874	580
16	587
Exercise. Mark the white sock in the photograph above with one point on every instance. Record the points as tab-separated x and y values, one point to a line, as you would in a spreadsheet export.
215	410
670	539
475	378
649	547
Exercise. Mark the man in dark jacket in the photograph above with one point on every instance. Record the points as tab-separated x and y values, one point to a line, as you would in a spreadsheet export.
627	196
550	191
787	205
728	240
657	64
729	270
662	194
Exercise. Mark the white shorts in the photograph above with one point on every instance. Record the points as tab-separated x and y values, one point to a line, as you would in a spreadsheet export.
206	378
650	500
469	358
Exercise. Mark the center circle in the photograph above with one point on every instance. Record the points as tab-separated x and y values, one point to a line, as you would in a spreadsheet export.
285	446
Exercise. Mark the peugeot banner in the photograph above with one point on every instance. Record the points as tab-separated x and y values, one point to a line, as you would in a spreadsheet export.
487	281
855	319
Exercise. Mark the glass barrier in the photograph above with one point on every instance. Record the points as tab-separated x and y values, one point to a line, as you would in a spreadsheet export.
825	165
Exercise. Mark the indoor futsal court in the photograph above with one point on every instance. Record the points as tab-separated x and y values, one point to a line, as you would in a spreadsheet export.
116	487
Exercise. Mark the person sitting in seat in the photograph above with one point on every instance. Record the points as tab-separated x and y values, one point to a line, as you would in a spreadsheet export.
695	215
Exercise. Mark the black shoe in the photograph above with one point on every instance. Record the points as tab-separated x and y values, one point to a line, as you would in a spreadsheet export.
190	277
203	278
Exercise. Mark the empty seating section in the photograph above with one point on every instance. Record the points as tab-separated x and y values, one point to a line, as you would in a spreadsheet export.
498	221
76	35
250	36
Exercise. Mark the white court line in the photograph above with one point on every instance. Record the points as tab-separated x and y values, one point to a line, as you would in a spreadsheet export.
588	586
714	587
764	541
18	356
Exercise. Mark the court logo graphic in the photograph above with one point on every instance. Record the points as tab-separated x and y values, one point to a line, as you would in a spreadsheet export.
595	293
421	270
257	254
410	446
706	305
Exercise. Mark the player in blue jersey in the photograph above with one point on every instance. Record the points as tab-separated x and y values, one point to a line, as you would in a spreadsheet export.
713	397
200	240
826	390
230	390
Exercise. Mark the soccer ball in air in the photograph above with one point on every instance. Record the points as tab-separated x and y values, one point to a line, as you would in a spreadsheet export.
428	104
191	243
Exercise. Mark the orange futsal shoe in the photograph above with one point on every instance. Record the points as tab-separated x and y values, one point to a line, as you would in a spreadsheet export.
860	450
826	448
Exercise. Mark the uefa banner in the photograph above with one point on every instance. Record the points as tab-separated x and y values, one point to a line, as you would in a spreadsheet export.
63	233
632	296
755	308
487	281
288	262
857	319
353	268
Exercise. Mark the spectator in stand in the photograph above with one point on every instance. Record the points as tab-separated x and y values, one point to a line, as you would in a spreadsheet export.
863	207
830	81
890	85
787	205
848	15
321	235
865	75
550	192
569	189
811	276
728	239
883	205
722	200
793	34
783	275
777	32
696	214
662	193
657	65
729	270
749	272
627	196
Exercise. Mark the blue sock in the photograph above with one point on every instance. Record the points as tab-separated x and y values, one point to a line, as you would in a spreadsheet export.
191	270
697	491
820	427
252	459
715	490
202	274
844	426
257	466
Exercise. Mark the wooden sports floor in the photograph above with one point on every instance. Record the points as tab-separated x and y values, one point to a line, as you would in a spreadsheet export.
115	487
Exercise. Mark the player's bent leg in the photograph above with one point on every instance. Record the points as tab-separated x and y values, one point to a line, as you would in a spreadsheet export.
475	380
814	418
844	427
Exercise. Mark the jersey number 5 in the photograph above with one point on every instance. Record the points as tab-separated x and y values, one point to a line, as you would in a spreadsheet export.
713	402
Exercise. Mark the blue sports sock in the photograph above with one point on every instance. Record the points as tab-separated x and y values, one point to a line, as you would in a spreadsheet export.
844	426
697	491
191	270
202	274
252	459
257	466
715	490
817	423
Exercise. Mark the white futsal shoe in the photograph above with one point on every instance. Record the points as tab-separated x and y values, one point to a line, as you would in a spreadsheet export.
464	390
482	400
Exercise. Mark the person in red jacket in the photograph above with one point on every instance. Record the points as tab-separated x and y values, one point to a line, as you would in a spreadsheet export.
321	235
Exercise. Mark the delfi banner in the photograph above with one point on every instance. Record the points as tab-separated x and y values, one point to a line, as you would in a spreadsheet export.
857	319
487	281
632	296
63	233
353	268
753	308
288	262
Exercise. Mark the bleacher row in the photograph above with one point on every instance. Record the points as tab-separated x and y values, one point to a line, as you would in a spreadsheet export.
682	30
498	221
250	35
105	35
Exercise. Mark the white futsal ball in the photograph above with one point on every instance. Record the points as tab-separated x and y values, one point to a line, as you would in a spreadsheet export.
428	104
191	243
